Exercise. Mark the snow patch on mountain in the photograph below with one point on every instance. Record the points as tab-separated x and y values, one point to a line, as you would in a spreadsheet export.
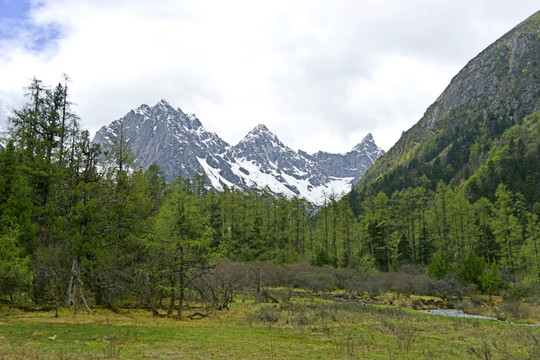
212	174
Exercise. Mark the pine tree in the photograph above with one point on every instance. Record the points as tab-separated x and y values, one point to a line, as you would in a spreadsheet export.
15	272
506	228
377	230
183	238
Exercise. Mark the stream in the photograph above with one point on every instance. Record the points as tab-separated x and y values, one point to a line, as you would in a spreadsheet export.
457	313
461	314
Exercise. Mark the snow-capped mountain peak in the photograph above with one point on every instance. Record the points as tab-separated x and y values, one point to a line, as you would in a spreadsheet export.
261	134
143	110
261	129
368	138
179	144
368	145
262	145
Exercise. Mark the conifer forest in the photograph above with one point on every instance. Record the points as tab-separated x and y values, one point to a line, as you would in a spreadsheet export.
82	227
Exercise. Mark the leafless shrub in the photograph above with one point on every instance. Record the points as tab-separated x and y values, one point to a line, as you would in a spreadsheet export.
424	285
346	277
261	275
316	282
534	346
403	283
268	315
417	304
374	285
450	286
218	286
482	351
404	335
445	288
411	269
512	309
347	342
300	319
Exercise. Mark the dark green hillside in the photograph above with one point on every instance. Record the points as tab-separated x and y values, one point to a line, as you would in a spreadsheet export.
493	92
514	160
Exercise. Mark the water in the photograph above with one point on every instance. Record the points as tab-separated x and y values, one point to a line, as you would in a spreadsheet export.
456	313
461	314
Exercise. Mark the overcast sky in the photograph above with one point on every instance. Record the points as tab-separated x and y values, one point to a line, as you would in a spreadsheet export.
320	74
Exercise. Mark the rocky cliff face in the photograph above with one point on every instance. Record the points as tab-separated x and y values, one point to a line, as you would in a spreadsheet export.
352	164
170	138
494	91
179	144
504	76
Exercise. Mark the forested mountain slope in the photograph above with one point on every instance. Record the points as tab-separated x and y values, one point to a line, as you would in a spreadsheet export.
456	135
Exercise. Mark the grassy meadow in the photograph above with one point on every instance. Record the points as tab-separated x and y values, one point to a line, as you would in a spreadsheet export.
300	328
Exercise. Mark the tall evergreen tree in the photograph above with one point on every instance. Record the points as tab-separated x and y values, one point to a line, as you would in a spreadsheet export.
183	239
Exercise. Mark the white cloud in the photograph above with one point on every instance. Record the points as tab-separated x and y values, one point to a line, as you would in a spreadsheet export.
320	74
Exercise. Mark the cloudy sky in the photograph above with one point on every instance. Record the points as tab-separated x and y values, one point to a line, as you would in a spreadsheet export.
320	74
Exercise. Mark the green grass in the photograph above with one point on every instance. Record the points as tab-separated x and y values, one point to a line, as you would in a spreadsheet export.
295	330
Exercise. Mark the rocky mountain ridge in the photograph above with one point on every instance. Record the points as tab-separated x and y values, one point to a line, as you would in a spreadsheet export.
180	145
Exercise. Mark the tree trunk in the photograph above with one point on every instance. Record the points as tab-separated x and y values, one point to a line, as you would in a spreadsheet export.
258	285
71	295
180	301
413	240
536	258
171	304
181	283
388	254
75	286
